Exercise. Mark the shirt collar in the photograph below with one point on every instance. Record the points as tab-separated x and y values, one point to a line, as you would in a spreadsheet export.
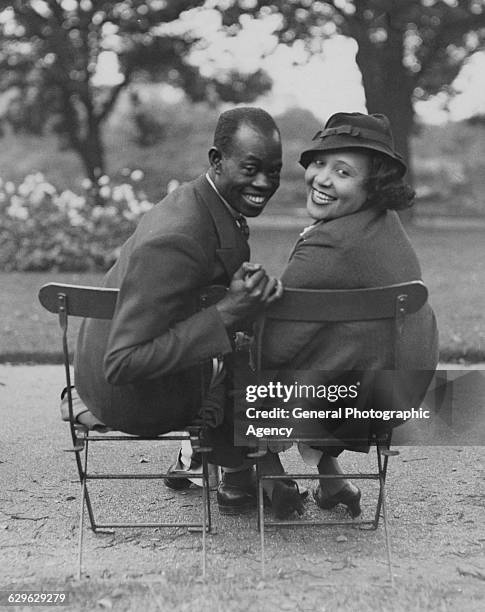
232	210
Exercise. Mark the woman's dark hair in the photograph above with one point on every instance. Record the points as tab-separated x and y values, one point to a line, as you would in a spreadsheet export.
385	187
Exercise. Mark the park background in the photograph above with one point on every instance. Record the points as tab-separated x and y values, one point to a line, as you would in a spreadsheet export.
104	107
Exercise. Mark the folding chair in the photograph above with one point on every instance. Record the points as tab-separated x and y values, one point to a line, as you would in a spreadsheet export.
94	302
389	302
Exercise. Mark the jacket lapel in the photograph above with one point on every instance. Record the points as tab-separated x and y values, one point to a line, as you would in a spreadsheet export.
233	246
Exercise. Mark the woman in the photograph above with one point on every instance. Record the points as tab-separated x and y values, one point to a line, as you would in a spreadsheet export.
354	182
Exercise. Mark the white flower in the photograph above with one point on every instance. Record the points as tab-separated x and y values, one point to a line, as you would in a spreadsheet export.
97	212
17	211
24	189
123	192
86	184
127	214
145	206
105	191
136	175
9	187
47	188
75	218
103	180
68	200
172	185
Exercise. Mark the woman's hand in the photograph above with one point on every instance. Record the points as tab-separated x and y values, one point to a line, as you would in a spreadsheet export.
250	290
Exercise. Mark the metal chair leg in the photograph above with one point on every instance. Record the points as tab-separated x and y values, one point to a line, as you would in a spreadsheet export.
205	513
261	514
83	469
382	479
386	531
382	466
87	497
81	528
208	498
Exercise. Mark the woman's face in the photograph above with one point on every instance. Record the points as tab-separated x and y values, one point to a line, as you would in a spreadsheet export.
336	183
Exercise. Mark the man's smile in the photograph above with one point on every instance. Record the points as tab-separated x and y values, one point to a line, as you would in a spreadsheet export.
258	200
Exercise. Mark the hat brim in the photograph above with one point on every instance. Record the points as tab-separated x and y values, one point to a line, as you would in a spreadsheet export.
340	142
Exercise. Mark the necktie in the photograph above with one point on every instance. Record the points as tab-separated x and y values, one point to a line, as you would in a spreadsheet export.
242	225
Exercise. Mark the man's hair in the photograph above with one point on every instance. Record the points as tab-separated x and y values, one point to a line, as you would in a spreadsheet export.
230	121
385	186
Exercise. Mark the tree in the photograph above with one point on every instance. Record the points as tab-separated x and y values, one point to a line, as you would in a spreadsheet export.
50	50
407	49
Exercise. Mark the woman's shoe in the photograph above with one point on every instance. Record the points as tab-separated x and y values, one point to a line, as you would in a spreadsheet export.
286	499
348	496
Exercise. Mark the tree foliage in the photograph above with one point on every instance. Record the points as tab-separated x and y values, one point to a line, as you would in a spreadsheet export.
407	49
50	50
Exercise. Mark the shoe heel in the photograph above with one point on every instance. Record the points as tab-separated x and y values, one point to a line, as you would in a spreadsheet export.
286	500
353	506
346	497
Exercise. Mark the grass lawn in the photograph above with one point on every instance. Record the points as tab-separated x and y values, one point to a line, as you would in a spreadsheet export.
452	263
28	332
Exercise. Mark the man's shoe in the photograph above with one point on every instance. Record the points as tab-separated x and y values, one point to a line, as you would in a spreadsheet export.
234	499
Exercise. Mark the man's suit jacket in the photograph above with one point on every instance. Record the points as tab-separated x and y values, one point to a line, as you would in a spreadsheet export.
142	372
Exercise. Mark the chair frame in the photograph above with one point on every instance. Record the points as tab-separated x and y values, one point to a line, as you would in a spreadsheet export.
387	302
96	302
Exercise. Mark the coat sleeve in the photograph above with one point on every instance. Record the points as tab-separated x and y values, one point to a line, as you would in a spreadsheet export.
155	329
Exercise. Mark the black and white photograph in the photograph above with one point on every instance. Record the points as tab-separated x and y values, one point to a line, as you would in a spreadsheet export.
242	359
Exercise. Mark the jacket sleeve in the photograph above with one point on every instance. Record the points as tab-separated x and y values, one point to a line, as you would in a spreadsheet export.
155	329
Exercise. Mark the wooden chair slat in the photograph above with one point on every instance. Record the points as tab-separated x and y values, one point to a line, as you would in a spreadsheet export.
347	305
94	302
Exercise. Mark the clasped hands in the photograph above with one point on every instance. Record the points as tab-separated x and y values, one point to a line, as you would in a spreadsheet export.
250	291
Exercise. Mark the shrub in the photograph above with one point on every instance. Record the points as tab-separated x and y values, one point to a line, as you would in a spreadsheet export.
44	229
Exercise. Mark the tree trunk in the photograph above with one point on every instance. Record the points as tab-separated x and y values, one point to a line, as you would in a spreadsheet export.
91	151
83	131
388	86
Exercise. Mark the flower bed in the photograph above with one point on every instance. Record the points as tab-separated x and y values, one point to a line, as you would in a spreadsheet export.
44	229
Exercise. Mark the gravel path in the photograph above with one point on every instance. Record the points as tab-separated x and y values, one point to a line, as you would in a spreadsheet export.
436	511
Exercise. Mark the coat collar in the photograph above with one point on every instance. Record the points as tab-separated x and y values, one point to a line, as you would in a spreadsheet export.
232	244
343	226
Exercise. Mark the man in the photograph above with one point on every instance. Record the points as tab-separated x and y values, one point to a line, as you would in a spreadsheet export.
141	372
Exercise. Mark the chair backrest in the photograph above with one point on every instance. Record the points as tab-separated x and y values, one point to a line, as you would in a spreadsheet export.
324	305
79	301
100	302
349	304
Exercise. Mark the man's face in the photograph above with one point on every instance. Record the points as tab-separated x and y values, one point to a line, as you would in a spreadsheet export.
249	174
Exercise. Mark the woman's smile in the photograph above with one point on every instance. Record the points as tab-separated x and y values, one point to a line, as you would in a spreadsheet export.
321	198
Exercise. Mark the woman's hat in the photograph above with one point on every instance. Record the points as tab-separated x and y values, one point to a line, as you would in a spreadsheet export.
355	131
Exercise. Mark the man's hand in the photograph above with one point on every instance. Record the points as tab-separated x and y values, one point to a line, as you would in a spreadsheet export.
250	290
